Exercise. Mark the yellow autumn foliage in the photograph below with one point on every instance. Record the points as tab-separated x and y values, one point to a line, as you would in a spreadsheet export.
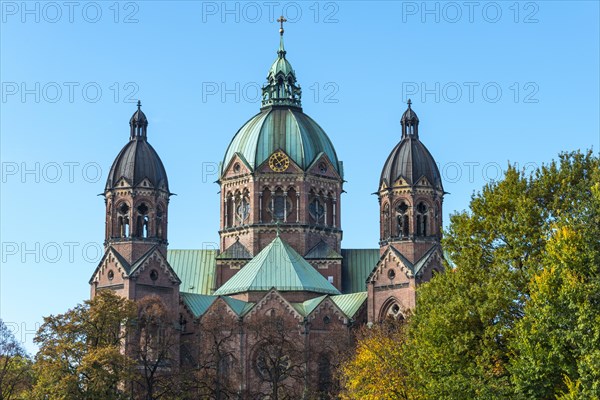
375	371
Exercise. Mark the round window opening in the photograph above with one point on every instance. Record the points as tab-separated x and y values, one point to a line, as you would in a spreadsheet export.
154	274
124	208
395	308
322	167
236	167
391	274
110	275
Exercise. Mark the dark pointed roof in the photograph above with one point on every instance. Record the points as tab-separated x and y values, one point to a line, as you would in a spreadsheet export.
138	160
138	120
409	116
410	159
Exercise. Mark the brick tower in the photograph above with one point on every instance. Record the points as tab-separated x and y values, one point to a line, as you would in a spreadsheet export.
410	199
136	195
281	173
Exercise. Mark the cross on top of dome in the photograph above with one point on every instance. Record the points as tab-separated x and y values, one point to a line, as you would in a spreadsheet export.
281	20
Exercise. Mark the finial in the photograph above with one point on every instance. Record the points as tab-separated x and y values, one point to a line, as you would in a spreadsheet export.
139	104
409	103
281	20
277	224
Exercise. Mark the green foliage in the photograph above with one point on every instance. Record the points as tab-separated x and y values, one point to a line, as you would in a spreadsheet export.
519	317
80	351
16	375
557	342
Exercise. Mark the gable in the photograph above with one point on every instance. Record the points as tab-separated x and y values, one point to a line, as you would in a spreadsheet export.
155	260
292	167
391	268
235	252
273	300
237	166
322	166
111	258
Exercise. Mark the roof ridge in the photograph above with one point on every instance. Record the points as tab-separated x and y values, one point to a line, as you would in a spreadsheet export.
277	266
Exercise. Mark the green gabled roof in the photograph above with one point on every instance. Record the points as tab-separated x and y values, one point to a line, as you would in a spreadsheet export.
195	269
322	251
197	303
238	306
277	266
235	251
357	264
350	303
308	306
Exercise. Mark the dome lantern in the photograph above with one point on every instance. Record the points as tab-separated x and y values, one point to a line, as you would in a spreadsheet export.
138	160
410	122
281	123
281	88
138	124
410	159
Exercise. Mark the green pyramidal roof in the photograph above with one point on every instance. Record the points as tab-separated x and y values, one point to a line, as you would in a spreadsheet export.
277	266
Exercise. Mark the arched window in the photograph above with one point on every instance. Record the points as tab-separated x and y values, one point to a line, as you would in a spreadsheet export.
159	222
385	221
402	225
242	210
316	208
280	206
325	377
421	219
229	212
142	221
123	220
392	311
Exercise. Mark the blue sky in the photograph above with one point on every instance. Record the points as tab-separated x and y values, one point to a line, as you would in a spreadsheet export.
492	83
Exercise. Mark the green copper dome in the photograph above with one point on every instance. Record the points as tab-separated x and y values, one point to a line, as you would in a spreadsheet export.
281	124
285	128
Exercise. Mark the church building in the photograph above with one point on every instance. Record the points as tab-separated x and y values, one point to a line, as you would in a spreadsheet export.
281	228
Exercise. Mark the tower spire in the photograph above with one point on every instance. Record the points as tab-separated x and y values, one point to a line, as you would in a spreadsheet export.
281	52
281	88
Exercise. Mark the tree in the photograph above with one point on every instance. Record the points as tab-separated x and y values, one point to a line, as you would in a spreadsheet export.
211	369
376	370
519	315
462	340
329	346
557	342
278	359
15	366
155	350
81	353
